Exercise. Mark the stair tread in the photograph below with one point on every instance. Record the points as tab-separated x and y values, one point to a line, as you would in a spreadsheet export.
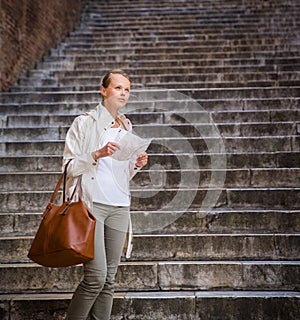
183	235
158	295
167	262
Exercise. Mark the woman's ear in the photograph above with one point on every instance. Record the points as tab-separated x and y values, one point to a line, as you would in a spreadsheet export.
103	91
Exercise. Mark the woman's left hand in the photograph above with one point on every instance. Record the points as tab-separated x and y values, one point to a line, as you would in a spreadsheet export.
141	160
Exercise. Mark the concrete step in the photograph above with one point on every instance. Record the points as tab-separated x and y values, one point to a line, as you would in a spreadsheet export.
284	160
272	109
154	94
161	46
181	305
187	33
208	23
163	275
226	46
185	222
203	85
183	61
173	222
40	117
190	36
166	85
205	7
188	30
34	131
84	85
150	20
210	70
168	199
222	78
174	59
251	197
251	76
167	178
170	145
191	247
170	14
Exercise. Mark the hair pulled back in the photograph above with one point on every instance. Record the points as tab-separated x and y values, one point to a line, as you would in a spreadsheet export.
107	77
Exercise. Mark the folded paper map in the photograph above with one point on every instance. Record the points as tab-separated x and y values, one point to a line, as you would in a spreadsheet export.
131	146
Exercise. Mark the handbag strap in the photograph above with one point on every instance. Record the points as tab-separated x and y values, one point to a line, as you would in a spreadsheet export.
63	178
78	184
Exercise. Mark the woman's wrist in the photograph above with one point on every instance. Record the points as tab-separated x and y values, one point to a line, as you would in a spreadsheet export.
95	155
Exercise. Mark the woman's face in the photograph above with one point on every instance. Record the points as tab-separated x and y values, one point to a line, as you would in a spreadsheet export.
117	93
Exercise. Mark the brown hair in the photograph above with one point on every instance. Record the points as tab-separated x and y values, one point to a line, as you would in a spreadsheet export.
107	78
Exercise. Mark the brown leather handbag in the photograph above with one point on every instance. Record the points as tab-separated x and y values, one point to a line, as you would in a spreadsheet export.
65	236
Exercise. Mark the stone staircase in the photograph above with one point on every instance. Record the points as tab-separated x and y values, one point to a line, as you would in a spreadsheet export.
217	211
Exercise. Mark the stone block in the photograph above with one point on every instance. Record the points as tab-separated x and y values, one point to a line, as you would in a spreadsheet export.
137	276
272	275
284	198
35	133
32	148
296	143
14	249
33	121
160	305
188	179
34	278
275	178
4	310
24	201
200	275
6	223
39	308
248	275
26	223
288	246
272	103
249	305
32	163
10	164
257	144
179	199
29	277
284	115
288	159
41	181
232	221
211	247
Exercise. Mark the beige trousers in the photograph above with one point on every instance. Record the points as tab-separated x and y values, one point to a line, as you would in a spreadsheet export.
94	294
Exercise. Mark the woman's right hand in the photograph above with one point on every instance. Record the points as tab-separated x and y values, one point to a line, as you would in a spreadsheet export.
110	148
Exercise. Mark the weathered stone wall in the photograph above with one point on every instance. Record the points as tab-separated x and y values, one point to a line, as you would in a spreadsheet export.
29	28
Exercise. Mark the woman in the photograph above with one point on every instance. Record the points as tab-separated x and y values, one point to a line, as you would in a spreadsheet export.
90	141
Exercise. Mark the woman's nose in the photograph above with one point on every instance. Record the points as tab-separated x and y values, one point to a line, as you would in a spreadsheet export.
124	92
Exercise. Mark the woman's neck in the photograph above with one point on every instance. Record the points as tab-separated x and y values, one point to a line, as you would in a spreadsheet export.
113	111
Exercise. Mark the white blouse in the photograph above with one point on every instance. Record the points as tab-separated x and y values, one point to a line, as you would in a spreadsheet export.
112	179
